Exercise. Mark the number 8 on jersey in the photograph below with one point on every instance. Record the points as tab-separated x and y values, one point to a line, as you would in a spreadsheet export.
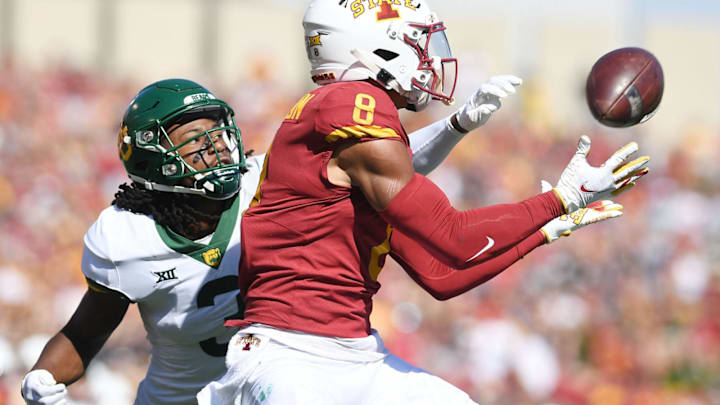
364	111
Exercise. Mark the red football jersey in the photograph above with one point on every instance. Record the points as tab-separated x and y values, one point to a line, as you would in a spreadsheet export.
312	250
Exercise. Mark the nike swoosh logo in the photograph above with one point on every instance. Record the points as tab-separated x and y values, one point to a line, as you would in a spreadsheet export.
584	190
490	244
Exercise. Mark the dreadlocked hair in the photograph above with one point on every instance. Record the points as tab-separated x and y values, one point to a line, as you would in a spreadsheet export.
171	210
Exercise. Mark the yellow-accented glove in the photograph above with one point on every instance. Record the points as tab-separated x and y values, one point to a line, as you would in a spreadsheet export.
566	224
581	184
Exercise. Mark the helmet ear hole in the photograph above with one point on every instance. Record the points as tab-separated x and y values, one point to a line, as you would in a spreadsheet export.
385	54
141	166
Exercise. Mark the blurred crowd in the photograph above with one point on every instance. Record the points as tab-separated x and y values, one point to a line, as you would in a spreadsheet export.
620	313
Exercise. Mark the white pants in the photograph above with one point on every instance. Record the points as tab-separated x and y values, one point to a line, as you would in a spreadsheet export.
267	366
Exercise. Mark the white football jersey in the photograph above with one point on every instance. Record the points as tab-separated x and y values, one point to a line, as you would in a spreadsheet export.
185	290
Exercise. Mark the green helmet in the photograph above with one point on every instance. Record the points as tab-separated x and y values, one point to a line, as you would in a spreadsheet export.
151	158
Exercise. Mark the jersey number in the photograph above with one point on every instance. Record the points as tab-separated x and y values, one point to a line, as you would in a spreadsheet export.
206	297
364	112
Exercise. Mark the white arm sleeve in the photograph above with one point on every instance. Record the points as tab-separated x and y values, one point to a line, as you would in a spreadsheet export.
432	144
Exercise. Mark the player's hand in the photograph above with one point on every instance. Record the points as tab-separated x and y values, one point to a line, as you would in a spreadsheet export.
40	388
564	225
581	184
486	100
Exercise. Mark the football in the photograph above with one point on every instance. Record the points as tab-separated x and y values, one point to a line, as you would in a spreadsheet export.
624	87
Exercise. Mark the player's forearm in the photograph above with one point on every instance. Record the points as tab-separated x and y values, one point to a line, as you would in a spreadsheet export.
61	359
461	239
444	282
68	353
432	144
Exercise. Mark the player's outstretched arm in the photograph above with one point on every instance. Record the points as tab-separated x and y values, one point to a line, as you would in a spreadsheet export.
432	144
444	282
382	169
67	355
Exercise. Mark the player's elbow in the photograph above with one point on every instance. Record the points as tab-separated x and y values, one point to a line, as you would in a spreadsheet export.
440	294
444	296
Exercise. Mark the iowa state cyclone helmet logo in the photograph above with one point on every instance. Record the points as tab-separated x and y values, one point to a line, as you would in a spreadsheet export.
386	9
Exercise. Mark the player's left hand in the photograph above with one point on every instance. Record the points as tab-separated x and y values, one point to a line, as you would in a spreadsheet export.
581	184
486	100
564	225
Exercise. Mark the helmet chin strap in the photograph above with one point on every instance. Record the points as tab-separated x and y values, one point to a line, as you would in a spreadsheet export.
388	80
174	189
384	77
162	187
380	74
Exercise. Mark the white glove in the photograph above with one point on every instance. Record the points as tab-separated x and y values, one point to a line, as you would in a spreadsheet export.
40	388
486	100
581	184
566	224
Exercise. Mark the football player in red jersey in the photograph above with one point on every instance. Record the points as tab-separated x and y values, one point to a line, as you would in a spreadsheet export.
338	193
185	222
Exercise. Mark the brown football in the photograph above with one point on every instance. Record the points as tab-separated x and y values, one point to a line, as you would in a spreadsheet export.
625	87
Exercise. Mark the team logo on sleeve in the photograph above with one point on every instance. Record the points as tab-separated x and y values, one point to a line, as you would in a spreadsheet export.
212	257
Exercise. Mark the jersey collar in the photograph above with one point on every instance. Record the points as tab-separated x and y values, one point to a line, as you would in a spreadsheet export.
212	253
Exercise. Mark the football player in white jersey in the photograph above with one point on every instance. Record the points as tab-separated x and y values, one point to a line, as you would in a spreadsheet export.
170	240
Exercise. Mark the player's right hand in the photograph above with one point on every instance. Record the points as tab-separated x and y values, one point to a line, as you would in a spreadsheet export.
581	184
564	225
40	388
